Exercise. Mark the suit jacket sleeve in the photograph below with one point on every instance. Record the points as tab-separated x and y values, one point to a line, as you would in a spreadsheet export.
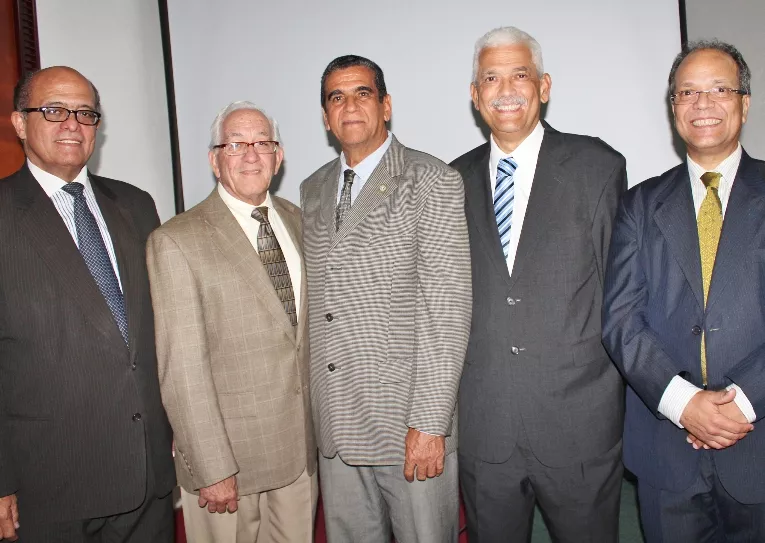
443	308
185	375
605	213
627	336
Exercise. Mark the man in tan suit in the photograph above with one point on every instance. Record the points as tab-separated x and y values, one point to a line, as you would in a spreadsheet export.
229	294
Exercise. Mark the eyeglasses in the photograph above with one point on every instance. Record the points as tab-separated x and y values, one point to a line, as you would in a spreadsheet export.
60	114
238	148
716	94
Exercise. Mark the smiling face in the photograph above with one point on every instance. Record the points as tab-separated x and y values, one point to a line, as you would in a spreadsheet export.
61	149
354	113
509	93
709	129
248	176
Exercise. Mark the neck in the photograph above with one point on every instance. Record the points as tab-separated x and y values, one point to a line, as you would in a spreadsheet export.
356	153
710	161
509	142
65	174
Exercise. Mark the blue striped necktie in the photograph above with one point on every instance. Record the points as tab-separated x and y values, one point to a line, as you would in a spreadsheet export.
93	251
504	197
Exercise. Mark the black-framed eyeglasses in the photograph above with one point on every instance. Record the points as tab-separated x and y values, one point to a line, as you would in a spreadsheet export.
56	114
237	148
716	94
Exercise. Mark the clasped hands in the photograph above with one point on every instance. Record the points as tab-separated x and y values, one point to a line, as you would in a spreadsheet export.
713	420
424	455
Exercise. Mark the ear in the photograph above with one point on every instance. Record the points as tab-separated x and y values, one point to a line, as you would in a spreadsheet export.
19	122
387	107
212	156
279	158
745	107
544	88
326	121
474	95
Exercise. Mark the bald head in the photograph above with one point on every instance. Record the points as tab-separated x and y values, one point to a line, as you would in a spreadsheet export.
23	91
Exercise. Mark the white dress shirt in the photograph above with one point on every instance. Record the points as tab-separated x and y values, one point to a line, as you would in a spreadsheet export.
679	391
242	212
525	156
64	204
363	169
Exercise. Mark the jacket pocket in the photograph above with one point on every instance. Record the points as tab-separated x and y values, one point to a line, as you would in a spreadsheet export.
395	370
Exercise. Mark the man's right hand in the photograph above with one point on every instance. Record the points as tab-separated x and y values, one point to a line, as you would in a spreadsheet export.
9	518
705	419
220	496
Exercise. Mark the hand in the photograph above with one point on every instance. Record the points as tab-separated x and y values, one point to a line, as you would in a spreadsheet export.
220	496
707	420
730	410
9	518
424	452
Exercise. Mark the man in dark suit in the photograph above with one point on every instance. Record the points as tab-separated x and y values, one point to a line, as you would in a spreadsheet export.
684	320
540	403
85	454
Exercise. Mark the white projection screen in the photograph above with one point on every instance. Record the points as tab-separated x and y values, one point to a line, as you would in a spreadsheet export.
608	60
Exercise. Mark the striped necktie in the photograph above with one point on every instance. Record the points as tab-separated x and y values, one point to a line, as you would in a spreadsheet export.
709	223
504	196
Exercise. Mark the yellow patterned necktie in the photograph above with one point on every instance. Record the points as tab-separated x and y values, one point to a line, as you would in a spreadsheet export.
709	224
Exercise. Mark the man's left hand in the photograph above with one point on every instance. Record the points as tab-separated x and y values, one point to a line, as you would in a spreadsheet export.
424	452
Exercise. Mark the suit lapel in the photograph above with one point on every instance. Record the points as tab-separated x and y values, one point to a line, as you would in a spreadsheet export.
548	178
129	255
48	234
676	218
378	188
233	243
480	206
743	221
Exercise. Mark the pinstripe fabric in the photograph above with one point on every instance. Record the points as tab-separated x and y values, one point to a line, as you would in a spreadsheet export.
389	305
232	368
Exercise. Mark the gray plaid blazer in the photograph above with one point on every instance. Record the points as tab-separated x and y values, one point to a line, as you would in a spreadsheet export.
232	368
389	305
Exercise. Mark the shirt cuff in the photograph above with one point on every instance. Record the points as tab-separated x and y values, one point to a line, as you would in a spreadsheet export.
439	435
743	403
676	396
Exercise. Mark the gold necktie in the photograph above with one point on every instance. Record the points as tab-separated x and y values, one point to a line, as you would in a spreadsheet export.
709	224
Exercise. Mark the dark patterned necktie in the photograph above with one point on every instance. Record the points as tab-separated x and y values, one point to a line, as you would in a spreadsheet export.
93	251
273	260
345	198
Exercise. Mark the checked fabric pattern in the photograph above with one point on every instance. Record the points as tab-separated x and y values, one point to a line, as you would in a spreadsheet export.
345	198
93	251
272	257
504	196
709	224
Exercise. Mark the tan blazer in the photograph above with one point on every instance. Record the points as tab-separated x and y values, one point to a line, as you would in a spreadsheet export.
232	369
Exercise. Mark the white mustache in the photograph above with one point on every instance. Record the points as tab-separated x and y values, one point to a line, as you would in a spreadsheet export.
514	100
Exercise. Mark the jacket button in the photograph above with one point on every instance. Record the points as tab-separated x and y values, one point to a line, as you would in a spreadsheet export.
136	417
329	317
133	367
696	330
510	301
331	367
514	350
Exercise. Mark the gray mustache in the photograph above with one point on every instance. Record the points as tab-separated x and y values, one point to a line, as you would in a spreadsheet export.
514	100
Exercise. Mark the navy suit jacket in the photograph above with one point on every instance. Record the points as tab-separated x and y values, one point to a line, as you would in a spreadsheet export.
653	309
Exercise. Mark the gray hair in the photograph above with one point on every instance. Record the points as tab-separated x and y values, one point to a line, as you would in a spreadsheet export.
744	75
216	130
508	35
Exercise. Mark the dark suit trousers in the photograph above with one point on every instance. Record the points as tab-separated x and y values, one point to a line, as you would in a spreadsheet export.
702	513
152	522
579	503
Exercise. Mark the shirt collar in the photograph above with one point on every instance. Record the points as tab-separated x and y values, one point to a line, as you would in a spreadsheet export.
238	207
727	168
527	150
50	183
365	168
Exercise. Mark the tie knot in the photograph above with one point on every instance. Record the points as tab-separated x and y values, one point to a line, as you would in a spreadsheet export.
349	175
260	214
507	166
711	180
74	188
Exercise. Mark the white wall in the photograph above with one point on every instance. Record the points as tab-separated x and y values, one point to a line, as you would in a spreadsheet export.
742	24
608	60
117	45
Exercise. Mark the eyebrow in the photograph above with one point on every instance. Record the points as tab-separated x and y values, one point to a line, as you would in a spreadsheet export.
360	88
240	135
718	81
64	105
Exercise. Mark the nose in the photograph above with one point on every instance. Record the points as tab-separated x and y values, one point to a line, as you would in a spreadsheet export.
350	104
506	86
250	155
70	123
704	101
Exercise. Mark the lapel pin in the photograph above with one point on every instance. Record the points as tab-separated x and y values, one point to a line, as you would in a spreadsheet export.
383	188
